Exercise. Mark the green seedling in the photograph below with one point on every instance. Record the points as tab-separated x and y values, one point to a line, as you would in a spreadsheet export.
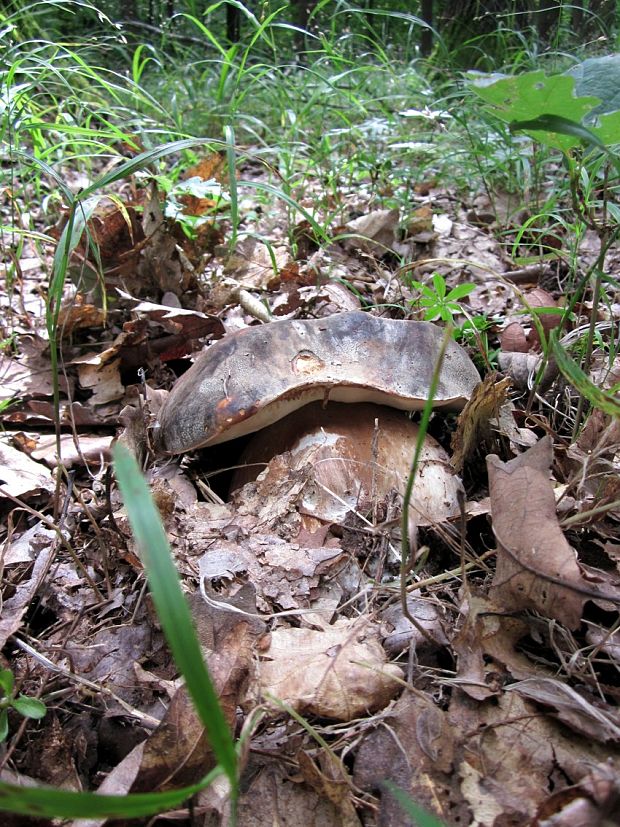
474	335
437	302
22	704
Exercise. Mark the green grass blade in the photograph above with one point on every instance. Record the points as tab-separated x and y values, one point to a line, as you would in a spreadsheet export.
418	815
560	125
268	188
231	159
143	160
599	398
45	802
172	608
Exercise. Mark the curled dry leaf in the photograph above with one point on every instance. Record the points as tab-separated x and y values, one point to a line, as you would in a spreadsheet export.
535	564
258	375
513	339
521	366
338	673
572	709
21	476
399	631
376	232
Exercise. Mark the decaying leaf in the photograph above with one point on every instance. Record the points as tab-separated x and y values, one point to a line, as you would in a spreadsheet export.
79	314
376	231
100	373
163	262
332	781
79	450
581	715
413	746
21	476
473	671
506	762
399	631
534	560
191	323
339	672
178	752
16	606
29	375
274	796
255	266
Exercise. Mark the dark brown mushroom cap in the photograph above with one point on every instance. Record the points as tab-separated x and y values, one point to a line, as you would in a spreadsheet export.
258	375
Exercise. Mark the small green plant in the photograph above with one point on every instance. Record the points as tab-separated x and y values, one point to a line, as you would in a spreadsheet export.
22	704
436	301
474	334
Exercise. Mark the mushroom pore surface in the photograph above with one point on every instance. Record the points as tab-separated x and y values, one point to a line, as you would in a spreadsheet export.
258	375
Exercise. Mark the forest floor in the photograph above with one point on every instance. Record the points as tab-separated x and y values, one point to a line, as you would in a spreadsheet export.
492	700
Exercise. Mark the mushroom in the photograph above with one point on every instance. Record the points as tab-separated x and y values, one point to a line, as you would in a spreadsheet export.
257	376
353	457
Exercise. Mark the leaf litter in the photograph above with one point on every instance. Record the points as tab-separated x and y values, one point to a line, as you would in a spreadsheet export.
491	700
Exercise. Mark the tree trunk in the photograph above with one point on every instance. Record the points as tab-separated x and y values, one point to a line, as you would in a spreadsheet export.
426	39
603	15
233	24
548	18
302	11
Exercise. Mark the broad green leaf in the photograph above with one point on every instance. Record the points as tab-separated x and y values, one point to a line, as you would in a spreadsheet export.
559	125
29	707
532	95
570	370
4	725
7	681
460	291
439	283
607	128
599	76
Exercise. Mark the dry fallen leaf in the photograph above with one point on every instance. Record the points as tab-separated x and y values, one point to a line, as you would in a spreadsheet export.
413	746
178	752
331	780
339	672
594	721
252	266
21	476
376	231
534	559
506	759
101	375
163	263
